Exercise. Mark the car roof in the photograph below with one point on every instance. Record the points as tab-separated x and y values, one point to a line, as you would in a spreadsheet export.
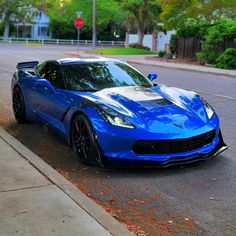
66	61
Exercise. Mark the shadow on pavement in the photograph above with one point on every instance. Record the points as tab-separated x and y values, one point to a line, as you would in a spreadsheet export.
59	155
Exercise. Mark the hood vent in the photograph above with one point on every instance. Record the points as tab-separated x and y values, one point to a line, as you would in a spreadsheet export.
155	102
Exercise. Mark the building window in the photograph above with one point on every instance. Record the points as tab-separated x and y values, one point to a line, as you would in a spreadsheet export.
37	15
43	31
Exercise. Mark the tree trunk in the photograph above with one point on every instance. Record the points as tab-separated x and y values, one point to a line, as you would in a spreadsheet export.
141	18
140	36
6	26
6	31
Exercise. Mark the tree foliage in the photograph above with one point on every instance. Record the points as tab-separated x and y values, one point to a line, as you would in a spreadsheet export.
144	13
61	19
177	13
108	20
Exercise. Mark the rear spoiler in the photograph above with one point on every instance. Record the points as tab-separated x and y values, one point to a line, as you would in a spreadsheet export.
27	64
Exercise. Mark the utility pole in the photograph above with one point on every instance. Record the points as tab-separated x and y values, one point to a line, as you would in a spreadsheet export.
94	25
79	13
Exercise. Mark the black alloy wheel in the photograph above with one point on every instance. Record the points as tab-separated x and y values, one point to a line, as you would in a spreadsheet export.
18	104
84	141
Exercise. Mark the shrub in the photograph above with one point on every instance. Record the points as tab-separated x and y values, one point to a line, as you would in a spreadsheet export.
161	53
227	60
174	43
1	28
168	56
213	41
137	45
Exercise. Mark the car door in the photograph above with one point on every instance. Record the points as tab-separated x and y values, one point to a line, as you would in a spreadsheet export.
50	102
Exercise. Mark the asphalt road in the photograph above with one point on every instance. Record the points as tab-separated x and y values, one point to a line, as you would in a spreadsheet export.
197	199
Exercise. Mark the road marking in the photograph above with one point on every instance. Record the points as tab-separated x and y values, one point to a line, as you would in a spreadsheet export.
215	94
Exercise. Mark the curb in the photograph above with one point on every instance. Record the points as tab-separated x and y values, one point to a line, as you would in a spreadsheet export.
95	54
72	54
181	67
93	209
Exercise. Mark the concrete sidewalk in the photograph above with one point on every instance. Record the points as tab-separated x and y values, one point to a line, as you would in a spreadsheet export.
141	60
36	200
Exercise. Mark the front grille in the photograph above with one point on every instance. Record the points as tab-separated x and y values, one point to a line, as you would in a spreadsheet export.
173	145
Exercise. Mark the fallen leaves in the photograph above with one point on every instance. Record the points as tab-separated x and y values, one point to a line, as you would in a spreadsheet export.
137	230
152	198
45	177
22	211
212	198
138	200
112	201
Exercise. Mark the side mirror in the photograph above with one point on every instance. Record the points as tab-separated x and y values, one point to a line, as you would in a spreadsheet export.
152	76
43	83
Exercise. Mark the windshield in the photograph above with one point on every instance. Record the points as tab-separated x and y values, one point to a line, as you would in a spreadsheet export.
101	75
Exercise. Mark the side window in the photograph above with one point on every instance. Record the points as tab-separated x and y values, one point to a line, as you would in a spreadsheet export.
52	73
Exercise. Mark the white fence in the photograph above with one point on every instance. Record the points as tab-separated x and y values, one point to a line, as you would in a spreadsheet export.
162	39
29	41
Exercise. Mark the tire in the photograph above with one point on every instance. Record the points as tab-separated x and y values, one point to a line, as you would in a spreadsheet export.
18	105
84	142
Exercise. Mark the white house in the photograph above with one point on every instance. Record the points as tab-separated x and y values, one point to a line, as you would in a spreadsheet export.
37	28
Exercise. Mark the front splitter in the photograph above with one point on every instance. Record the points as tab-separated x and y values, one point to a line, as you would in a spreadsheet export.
220	147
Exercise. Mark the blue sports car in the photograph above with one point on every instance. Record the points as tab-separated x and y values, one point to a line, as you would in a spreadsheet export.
108	111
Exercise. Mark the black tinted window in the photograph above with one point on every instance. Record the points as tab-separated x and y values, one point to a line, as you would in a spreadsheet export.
52	73
100	75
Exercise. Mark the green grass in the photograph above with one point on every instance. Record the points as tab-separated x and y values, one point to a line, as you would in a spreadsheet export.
20	42
123	51
13	42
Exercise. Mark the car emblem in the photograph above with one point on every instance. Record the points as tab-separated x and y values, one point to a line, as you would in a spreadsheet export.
180	125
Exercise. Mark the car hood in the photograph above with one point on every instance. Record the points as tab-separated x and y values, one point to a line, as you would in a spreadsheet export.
159	107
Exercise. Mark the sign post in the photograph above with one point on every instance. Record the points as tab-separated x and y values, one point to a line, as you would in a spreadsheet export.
94	25
78	23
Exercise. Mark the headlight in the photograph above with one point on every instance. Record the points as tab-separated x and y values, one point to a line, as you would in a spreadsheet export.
113	118
208	108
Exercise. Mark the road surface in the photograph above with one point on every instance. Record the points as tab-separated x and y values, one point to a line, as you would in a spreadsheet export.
198	199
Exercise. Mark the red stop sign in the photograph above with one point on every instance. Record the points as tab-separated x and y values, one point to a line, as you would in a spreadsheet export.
79	22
